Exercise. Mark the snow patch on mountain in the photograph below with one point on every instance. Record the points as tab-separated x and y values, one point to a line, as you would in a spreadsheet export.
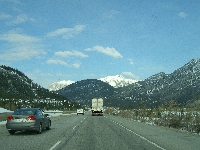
115	81
118	81
59	85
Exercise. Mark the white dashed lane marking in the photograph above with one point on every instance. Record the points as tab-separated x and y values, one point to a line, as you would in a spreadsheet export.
55	145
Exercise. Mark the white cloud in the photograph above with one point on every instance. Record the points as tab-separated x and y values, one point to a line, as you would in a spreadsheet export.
70	53
4	16
15	37
20	46
57	62
63	63
22	18
131	61
108	51
67	33
130	75
182	15
76	65
19	19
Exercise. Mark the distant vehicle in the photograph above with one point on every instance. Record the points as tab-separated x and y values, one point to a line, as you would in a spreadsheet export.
97	106
80	111
28	119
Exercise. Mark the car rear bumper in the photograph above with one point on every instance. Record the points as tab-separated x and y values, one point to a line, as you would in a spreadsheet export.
97	114
22	126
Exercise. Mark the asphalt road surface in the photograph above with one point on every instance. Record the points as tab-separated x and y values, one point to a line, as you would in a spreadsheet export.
87	132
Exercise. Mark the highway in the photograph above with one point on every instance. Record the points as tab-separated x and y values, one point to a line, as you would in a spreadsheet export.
86	132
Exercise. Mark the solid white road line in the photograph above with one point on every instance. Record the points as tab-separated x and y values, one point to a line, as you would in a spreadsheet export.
139	135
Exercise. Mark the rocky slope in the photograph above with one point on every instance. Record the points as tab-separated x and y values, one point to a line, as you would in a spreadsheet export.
17	90
182	86
83	91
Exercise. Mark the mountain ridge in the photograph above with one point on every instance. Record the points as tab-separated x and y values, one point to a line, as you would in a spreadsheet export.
181	86
83	91
115	81
17	90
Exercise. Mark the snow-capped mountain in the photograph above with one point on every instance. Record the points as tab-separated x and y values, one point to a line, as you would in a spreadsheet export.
115	81
59	85
118	81
181	86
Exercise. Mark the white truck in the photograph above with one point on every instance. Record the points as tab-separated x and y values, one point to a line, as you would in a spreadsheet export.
80	111
97	106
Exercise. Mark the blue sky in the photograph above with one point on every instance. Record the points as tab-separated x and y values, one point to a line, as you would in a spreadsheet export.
56	40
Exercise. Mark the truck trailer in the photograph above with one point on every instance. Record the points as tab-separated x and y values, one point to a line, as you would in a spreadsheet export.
97	106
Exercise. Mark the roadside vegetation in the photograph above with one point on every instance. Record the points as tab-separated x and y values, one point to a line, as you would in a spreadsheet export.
45	104
168	115
3	116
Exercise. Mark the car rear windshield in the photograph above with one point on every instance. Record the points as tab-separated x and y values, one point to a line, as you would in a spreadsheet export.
24	112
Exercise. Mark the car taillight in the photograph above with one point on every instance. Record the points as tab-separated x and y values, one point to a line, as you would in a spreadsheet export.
10	118
31	117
